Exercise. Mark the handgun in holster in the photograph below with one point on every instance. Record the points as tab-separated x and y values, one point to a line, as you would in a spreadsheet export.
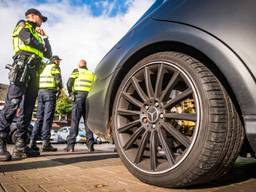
18	71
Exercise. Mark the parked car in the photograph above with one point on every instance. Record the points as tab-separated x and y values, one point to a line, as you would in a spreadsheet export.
100	140
13	129
64	132
97	139
81	137
12	134
177	92
56	138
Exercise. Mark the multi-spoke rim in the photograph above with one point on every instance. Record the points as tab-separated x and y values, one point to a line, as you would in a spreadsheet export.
149	128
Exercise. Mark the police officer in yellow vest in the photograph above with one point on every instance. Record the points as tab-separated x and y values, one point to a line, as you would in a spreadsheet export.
50	85
31	47
79	85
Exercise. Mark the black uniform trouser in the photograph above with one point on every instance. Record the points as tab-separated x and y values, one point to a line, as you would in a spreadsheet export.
22	97
45	114
78	111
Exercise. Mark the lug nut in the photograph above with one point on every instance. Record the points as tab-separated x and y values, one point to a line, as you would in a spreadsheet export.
147	107
153	126
156	104
161	115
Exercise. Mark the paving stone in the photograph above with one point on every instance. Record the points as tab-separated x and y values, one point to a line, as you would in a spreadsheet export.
12	187
92	172
31	187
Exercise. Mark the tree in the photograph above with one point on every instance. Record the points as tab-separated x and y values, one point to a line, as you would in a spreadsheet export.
63	106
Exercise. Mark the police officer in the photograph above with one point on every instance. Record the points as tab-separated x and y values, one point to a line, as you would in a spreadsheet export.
31	46
50	85
79	85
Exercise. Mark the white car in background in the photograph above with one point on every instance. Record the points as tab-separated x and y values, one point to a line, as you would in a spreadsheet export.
56	138
64	132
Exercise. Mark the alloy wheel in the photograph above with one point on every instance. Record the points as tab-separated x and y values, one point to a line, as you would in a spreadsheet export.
157	117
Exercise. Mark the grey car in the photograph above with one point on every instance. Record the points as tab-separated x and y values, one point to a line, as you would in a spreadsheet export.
178	92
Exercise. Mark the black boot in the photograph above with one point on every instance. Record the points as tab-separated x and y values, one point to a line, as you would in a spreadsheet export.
33	145
90	147
70	148
21	151
47	146
4	154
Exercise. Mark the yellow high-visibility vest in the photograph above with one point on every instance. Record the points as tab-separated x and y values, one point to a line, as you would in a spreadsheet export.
47	80
84	81
19	45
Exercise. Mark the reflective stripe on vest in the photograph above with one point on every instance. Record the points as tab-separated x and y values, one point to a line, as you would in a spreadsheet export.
47	80
84	81
18	44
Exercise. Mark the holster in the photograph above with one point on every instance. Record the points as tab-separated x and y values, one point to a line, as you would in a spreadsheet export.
18	70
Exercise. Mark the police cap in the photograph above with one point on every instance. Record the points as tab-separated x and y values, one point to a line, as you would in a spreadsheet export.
55	57
36	12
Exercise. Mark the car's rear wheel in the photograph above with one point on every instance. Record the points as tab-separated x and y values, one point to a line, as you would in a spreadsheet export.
173	122
13	137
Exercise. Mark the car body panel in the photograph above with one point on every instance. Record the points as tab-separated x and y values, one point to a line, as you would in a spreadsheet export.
231	21
236	69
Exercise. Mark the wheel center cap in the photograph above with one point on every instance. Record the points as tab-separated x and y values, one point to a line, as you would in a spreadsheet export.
152	114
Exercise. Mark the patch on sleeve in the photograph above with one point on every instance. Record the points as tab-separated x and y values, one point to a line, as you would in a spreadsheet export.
21	24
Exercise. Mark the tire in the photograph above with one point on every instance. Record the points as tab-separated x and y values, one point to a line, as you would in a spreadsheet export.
174	125
13	137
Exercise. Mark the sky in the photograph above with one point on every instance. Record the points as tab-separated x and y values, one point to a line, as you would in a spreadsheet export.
77	29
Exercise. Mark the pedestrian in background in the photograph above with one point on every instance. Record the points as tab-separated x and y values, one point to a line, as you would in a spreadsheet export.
50	86
79	85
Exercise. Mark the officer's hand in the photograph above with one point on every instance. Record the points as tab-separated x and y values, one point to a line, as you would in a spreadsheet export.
71	97
40	31
58	94
46	61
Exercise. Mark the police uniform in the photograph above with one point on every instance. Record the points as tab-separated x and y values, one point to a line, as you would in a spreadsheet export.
80	84
50	85
29	49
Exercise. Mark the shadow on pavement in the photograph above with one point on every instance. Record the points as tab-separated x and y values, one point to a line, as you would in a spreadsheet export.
50	154
243	170
54	162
